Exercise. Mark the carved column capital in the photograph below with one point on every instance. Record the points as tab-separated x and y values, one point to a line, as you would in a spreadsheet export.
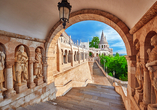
31	60
10	63
45	64
132	58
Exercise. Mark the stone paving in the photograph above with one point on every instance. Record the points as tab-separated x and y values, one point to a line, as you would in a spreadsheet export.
92	97
99	77
96	96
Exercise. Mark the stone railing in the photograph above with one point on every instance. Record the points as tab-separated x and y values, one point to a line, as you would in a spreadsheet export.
123	92
90	59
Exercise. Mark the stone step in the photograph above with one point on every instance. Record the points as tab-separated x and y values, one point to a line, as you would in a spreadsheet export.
21	108
98	90
73	106
99	86
90	103
99	100
86	96
42	106
91	97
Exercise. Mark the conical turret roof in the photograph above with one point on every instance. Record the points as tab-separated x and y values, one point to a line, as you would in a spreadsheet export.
103	39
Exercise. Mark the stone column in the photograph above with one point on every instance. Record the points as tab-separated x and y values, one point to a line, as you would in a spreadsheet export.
62	57
146	88
131	61
9	79
45	71
79	57
72	58
83	56
31	83
67	57
60	61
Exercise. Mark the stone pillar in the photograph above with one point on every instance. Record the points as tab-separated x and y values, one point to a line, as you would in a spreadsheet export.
72	58
83	56
60	61
31	83
131	61
146	88
45	71
9	79
66	58
79	57
62	57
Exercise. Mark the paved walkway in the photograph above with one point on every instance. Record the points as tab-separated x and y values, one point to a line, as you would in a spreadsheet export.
99	77
97	96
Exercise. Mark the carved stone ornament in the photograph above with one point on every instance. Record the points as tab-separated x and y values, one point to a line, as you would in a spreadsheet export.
21	66
2	60
38	63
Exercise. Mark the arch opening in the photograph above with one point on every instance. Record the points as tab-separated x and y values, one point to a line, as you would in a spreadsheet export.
89	14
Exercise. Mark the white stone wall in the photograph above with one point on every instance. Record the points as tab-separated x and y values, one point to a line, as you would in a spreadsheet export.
38	94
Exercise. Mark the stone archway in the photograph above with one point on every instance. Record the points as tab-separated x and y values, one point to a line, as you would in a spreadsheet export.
82	15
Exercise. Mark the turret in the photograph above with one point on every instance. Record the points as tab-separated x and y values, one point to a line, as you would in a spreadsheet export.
103	42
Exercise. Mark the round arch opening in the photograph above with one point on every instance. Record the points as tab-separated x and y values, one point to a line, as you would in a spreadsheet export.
83	15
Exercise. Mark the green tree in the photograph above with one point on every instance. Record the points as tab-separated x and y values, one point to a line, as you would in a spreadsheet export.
94	43
116	63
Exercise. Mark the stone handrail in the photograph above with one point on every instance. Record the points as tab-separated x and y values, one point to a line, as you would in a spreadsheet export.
91	59
121	90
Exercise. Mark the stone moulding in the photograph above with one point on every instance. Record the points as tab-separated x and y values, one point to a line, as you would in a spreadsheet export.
150	14
70	68
13	35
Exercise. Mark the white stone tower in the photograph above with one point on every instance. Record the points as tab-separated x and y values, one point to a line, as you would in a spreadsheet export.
103	44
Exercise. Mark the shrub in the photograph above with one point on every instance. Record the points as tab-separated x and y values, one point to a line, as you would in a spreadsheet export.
115	63
110	74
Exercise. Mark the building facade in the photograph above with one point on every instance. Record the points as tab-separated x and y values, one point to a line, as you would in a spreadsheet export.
103	47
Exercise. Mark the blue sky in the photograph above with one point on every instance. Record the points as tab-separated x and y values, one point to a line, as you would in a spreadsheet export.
86	30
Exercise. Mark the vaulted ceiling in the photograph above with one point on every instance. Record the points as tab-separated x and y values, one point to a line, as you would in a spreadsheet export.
35	18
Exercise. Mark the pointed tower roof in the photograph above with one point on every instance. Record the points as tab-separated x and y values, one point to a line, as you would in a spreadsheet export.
103	39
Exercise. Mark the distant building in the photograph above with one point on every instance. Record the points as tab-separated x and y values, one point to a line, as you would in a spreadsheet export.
103	45
65	38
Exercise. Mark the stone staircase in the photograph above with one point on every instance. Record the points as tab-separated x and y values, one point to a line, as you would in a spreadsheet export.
91	97
100	95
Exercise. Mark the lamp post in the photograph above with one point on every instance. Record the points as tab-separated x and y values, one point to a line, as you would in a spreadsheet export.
104	63
64	10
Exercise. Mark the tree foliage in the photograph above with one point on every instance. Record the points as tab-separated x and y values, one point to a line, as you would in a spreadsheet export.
115	63
94	43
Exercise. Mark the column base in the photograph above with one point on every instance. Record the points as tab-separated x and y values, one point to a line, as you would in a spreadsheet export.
38	81
1	96
31	85
23	87
10	93
143	106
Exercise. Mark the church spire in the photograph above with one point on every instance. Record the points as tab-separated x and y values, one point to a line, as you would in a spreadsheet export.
103	39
